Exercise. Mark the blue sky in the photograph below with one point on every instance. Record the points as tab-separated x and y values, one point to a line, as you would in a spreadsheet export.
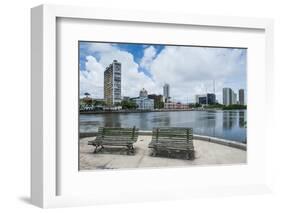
188	70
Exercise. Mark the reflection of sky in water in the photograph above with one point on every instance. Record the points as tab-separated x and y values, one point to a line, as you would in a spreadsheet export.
222	124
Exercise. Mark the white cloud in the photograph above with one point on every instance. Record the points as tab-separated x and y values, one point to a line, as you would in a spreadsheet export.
91	79
149	55
100	47
132	80
188	70
191	70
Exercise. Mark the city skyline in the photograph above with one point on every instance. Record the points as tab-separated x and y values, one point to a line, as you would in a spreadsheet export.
152	66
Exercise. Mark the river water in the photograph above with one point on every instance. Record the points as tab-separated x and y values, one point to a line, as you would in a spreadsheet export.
222	124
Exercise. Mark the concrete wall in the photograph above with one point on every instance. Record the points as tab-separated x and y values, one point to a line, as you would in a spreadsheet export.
224	142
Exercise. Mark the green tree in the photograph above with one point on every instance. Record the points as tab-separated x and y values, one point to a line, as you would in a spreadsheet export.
128	104
234	106
158	105
99	103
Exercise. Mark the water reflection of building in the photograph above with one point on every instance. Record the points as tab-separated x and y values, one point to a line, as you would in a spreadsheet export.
111	120
241	119
229	119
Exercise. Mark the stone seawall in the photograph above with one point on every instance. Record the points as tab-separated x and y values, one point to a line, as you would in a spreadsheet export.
220	141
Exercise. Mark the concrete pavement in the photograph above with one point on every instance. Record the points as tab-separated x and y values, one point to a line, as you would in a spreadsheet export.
116	158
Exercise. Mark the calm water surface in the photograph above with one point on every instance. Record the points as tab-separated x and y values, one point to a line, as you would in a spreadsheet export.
221	124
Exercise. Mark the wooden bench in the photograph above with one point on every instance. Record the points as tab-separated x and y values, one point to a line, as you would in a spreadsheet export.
173	139
111	136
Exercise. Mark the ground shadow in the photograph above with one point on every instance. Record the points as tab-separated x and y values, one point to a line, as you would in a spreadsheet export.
25	199
115	151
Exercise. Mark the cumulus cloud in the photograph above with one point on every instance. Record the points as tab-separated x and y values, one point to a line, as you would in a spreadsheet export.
192	70
149	55
132	80
188	70
91	79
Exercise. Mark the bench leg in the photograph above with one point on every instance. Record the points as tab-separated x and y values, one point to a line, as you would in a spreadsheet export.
96	148
130	149
154	152
190	155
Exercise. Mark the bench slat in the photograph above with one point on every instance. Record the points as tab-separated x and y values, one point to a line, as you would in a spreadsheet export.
112	136
174	138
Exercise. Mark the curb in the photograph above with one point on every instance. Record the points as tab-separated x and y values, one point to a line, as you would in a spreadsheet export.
220	141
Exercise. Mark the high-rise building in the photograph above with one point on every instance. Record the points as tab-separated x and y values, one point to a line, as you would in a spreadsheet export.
241	97
166	92
112	84
227	96
211	98
234	98
206	99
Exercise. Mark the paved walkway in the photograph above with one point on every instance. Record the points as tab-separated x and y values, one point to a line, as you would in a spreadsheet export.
115	158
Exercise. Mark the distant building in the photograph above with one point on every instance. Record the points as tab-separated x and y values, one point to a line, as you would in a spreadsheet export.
234	98
211	98
143	93
166	92
201	99
112	84
227	96
143	102
126	98
86	101
175	105
241	97
158	100
206	99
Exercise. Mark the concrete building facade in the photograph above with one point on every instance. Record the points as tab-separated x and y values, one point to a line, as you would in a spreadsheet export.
166	92
174	105
234	98
143	102
227	96
205	99
112	84
241	96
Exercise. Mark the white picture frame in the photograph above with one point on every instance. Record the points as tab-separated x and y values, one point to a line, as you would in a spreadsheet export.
44	149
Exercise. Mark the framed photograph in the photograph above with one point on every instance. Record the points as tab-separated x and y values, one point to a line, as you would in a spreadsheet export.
146	105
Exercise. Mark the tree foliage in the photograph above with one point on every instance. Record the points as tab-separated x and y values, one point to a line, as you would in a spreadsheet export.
234	106
128	104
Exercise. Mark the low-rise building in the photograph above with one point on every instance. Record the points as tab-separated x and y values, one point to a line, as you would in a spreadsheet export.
143	102
175	105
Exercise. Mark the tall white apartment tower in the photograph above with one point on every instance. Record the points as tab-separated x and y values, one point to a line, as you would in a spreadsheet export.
234	98
112	84
227	96
166	92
